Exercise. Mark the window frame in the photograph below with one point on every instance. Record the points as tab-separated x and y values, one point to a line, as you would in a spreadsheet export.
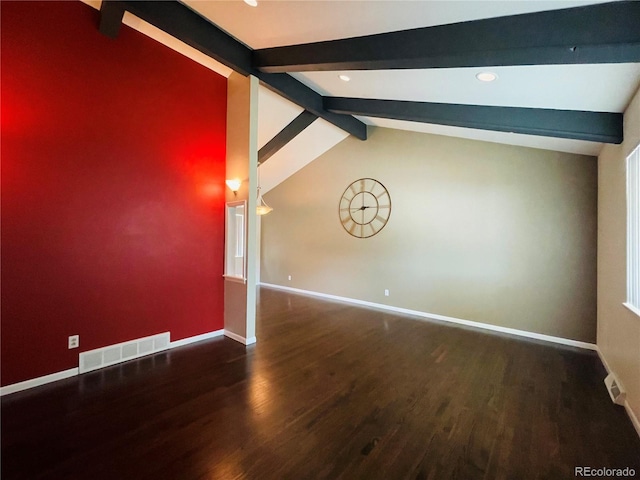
632	170
235	235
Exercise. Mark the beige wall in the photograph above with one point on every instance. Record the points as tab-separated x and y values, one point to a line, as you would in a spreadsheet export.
479	231
618	328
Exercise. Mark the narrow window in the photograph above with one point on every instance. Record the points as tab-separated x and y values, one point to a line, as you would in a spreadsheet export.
234	257
633	231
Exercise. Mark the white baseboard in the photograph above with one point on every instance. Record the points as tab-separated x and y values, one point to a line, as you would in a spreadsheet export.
53	377
239	338
36	382
627	407
632	416
604	361
196	338
433	316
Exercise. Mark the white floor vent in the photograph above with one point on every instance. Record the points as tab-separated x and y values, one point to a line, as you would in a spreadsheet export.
122	352
617	394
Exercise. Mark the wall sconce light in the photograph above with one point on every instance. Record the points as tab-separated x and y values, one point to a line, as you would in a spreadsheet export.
234	185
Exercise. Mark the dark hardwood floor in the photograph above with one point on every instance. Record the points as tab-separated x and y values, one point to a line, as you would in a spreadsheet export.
330	391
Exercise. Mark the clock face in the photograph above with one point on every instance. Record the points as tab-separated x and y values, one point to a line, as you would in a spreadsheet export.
365	207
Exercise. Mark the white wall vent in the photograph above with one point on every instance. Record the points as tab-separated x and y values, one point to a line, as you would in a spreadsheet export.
122	352
617	394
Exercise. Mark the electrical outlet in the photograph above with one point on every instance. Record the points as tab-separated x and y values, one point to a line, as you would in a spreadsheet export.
289	277
74	341
386	292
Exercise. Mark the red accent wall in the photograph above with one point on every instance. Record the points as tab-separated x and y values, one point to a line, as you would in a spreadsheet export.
113	166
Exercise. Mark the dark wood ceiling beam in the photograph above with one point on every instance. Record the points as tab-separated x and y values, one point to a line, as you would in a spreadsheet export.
111	14
602	33
298	93
591	126
288	133
184	24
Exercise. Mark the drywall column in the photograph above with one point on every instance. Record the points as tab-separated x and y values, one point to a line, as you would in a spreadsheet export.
242	163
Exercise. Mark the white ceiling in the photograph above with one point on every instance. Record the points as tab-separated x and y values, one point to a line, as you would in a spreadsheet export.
274	113
606	88
274	23
602	88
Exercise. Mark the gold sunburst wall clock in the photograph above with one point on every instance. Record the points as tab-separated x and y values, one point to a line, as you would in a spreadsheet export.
365	208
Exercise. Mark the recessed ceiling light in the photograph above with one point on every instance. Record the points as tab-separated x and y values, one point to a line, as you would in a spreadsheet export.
486	76
253	3
344	78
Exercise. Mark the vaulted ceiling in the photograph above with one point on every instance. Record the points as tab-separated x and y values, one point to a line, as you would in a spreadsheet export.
565	70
